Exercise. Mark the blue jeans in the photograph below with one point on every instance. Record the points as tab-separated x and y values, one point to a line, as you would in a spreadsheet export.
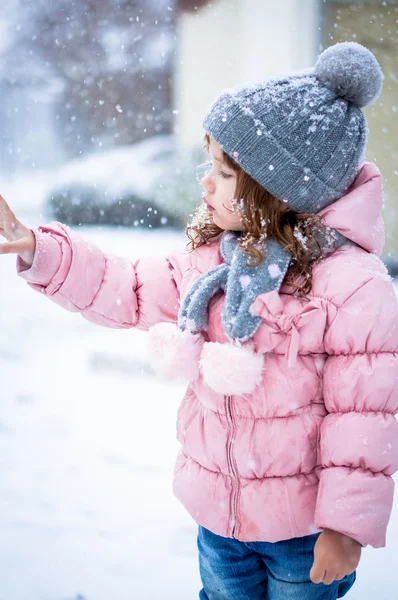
233	570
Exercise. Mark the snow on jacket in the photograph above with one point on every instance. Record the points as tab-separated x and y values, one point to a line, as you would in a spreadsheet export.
315	445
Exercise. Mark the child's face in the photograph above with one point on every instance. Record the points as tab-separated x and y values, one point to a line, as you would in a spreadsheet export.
219	185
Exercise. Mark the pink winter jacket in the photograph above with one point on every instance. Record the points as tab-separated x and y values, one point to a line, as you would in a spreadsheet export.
315	445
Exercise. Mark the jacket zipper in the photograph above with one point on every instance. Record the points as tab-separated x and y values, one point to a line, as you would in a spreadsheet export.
232	463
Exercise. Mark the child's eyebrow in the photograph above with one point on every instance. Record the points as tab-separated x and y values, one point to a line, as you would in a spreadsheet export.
218	159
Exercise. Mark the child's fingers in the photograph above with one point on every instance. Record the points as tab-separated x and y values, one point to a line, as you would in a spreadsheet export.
317	573
5	248
7	218
5	210
3	202
330	576
325	576
11	247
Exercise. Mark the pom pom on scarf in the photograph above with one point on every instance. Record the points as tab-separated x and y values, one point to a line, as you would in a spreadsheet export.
229	369
174	354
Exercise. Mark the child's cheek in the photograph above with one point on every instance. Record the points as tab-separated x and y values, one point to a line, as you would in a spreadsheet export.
230	203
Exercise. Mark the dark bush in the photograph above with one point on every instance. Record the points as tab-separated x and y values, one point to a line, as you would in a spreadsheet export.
84	205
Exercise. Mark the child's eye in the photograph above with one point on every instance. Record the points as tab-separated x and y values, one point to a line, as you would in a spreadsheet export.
224	175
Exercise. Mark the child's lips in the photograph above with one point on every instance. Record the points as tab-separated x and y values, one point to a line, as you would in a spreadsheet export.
209	206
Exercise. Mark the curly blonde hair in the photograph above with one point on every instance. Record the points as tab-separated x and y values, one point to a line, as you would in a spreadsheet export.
262	215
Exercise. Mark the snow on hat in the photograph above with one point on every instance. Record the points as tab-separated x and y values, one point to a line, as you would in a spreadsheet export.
303	137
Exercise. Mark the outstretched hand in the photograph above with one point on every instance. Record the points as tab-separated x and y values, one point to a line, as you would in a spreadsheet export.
335	556
20	239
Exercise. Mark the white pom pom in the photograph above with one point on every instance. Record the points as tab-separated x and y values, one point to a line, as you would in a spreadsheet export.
174	354
229	369
352	72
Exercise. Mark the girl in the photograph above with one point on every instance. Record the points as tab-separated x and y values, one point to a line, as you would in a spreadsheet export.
284	320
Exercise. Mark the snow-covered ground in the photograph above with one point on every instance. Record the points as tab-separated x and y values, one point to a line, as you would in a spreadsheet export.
87	444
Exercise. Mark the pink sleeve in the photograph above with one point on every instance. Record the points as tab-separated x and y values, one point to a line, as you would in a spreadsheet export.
359	435
106	289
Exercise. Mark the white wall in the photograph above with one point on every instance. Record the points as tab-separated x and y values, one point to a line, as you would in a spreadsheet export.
27	133
233	41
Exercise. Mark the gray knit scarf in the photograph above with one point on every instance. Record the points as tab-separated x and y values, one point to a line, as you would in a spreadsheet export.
242	284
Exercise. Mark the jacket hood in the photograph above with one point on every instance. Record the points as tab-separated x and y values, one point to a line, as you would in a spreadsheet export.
357	215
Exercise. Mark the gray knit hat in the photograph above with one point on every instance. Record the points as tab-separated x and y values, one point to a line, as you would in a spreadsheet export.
303	137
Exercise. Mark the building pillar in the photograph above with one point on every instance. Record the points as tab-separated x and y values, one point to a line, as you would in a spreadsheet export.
230	42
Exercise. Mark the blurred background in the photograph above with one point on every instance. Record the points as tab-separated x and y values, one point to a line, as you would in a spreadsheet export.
102	100
100	128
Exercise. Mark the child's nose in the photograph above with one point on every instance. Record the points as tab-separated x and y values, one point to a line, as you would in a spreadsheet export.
208	183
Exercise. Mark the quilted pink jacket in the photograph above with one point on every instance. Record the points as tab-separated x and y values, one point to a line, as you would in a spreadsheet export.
315	445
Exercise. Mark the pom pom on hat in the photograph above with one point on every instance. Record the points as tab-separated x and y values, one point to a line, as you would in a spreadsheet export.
174	354
229	369
352	72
